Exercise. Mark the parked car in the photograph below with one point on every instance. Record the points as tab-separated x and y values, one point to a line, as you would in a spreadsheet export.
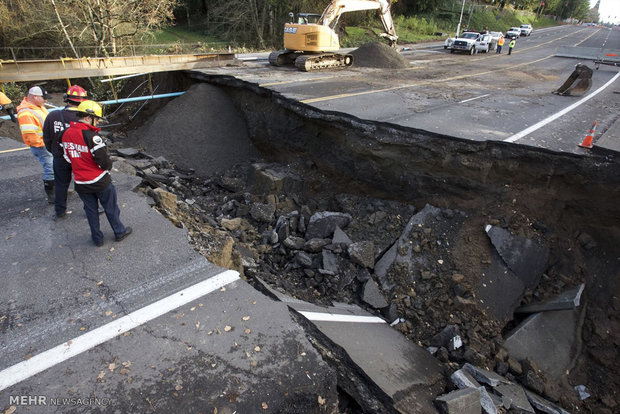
513	33
526	29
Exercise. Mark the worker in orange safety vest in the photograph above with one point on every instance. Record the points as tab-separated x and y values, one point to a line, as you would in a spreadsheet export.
31	114
500	43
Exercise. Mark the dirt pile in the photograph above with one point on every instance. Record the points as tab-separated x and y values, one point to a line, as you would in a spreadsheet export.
378	55
196	131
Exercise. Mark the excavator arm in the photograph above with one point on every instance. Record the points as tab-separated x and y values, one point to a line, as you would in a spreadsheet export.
333	12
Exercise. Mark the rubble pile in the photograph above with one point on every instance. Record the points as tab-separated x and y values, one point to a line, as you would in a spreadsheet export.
396	261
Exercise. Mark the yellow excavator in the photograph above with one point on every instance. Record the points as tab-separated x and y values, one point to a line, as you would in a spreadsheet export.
311	43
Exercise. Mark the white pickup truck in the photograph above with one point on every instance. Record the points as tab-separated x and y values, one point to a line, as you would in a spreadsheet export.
526	29
466	42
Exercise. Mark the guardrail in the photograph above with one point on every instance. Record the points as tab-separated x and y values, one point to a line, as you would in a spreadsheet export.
70	68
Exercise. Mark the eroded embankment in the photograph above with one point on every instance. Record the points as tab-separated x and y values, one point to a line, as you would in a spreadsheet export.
565	202
412	165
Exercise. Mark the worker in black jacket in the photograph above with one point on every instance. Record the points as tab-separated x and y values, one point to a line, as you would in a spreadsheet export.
53	128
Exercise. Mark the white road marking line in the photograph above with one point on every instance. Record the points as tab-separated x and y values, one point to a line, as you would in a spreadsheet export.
330	317
553	117
47	359
472	99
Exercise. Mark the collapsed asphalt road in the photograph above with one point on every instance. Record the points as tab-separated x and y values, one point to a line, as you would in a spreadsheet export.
431	265
379	175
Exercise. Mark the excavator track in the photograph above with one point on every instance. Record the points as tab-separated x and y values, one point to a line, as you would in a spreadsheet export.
309	63
282	58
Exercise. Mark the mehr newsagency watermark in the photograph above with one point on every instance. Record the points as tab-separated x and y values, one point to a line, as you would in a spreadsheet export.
44	400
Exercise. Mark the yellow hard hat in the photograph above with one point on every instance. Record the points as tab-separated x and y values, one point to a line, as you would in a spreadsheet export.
90	108
4	100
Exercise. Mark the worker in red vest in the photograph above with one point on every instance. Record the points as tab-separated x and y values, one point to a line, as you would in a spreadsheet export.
91	165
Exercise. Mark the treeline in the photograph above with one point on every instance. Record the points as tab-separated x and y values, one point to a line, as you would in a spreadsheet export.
78	28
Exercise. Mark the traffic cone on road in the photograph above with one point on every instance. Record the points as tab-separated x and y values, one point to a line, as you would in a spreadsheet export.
587	142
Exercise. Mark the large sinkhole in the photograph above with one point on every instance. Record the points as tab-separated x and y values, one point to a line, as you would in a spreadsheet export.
452	235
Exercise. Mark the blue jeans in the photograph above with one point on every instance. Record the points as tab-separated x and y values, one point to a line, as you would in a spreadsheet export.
107	198
46	159
62	177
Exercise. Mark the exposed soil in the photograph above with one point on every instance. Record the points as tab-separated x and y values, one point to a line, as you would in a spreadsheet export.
232	215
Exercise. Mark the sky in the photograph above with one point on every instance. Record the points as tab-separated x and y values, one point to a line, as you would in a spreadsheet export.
609	10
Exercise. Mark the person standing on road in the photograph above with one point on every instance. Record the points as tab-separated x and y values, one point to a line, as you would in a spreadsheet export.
91	165
55	125
500	43
7	105
31	114
511	45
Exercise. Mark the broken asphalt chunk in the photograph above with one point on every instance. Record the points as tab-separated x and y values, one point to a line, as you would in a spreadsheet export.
463	401
567	300
484	376
547	338
514	398
525	257
373	296
323	224
543	405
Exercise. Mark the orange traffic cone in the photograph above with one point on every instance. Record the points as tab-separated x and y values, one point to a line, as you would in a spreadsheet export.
587	142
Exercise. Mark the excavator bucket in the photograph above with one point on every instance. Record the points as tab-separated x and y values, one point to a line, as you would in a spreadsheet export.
577	83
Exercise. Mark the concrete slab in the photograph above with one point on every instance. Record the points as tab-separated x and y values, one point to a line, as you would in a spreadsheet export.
567	300
548	338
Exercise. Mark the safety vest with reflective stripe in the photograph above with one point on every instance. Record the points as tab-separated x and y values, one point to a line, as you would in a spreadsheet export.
500	41
31	119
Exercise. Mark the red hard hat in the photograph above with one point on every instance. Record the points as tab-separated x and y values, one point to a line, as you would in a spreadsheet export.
76	94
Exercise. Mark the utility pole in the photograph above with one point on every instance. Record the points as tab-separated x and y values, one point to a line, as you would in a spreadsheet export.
540	6
471	10
458	28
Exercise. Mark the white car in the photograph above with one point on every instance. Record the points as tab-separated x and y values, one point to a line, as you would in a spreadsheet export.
514	32
526	29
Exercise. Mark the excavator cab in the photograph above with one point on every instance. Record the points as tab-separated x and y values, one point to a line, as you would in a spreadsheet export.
308	18
578	83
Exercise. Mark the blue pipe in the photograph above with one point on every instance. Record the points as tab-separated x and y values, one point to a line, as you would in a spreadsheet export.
134	99
142	98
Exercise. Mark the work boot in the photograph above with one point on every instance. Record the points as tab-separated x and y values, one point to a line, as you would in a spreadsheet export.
122	237
49	190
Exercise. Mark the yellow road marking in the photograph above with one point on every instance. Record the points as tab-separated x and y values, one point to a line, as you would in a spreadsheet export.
435	81
411	85
13	150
